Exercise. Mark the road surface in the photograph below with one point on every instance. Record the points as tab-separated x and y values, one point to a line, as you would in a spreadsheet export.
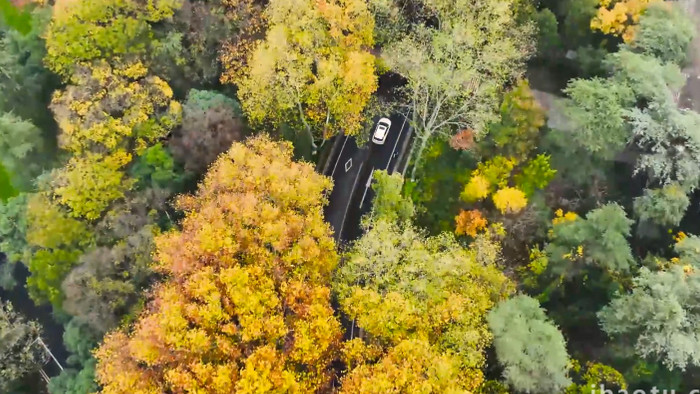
690	93
352	170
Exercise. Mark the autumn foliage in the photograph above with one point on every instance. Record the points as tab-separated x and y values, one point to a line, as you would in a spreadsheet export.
509	200
566	193
470	222
250	19
421	303
107	115
463	140
621	17
313	69
246	306
83	31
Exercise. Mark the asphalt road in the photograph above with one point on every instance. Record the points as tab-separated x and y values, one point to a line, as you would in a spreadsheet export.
352	170
689	96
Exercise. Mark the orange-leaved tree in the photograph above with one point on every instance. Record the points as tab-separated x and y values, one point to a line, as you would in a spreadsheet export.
470	222
246	303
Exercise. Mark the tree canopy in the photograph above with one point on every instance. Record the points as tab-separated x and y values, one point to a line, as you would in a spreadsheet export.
444	65
313	69
529	347
548	149
20	353
418	295
248	305
665	33
659	316
598	240
84	31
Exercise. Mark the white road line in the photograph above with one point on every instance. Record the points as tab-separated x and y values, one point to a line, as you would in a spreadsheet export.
339	155
367	185
342	225
396	143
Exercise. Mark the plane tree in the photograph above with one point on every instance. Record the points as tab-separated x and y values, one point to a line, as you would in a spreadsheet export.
455	69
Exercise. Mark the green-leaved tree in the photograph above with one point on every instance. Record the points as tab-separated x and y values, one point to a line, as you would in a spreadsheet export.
598	240
664	32
20	353
529	347
659	317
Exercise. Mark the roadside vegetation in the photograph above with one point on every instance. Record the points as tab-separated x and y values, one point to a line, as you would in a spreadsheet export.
158	182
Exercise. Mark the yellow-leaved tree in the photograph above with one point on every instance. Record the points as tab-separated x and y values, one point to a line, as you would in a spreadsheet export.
509	200
54	243
421	303
106	116
508	181
246	306
83	31
620	18
313	69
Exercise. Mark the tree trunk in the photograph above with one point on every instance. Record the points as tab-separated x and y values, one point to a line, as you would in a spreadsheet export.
423	144
314	147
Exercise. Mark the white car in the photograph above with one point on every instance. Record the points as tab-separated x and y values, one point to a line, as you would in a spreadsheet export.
381	131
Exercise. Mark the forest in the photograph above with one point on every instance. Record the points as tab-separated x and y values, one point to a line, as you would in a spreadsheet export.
161	196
